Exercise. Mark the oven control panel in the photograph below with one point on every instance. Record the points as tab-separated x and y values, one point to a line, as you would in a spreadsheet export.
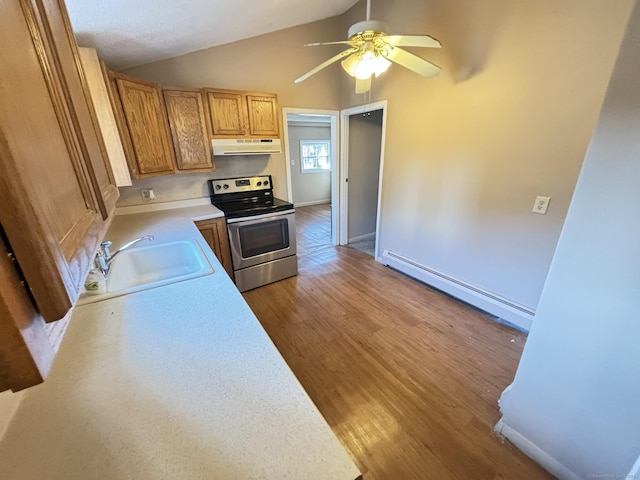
236	185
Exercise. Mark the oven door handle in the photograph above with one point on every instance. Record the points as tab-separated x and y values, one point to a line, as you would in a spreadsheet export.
259	217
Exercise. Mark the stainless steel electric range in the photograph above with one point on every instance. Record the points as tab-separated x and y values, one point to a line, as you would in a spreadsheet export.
261	229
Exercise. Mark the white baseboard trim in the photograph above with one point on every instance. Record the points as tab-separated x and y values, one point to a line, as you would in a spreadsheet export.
519	315
549	463
314	202
360	238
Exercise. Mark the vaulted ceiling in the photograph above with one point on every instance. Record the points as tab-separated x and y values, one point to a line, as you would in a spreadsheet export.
128	33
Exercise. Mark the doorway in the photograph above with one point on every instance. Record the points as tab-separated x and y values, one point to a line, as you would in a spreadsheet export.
311	159
361	167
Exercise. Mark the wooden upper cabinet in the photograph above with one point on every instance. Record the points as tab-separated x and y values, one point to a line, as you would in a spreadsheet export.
61	44
147	132
228	113
263	115
242	114
55	185
187	115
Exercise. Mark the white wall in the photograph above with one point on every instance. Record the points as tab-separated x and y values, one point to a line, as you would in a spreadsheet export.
365	134
308	188
576	394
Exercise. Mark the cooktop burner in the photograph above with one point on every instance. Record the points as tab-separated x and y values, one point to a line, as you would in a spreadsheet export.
242	197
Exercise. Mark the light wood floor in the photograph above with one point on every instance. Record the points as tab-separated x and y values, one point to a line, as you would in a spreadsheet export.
407	377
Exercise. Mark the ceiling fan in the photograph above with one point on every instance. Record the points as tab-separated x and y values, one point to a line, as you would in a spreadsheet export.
371	51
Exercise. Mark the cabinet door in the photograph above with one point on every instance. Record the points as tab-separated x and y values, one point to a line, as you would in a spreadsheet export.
263	115
25	351
63	46
51	197
188	125
147	126
214	232
228	113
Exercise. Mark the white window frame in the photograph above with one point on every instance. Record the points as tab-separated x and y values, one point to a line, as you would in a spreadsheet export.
327	144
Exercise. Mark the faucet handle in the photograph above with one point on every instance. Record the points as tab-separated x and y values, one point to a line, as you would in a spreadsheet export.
104	248
101	263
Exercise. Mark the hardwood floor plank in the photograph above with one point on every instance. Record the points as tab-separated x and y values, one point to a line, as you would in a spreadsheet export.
407	377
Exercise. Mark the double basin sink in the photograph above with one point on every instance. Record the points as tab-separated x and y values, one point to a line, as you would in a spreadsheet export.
152	266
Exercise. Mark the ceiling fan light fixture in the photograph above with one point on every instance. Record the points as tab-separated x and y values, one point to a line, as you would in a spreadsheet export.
350	63
370	64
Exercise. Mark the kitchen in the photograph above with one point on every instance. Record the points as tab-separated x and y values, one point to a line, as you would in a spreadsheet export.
497	128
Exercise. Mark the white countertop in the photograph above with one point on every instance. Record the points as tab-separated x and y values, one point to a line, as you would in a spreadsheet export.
177	382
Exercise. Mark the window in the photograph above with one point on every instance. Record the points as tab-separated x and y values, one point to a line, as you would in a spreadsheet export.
314	156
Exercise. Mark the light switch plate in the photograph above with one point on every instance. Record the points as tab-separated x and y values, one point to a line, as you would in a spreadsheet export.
541	205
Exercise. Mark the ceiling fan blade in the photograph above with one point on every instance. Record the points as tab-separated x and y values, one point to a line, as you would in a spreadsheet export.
339	42
363	86
411	41
326	64
411	61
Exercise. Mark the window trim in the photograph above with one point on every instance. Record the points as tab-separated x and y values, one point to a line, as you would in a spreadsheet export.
304	143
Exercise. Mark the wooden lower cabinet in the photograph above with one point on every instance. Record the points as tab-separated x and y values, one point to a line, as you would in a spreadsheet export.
214	232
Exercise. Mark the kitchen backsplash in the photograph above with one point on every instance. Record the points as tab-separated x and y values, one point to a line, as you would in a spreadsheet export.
186	186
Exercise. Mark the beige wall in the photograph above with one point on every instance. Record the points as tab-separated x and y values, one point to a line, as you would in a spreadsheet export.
466	153
9	403
509	118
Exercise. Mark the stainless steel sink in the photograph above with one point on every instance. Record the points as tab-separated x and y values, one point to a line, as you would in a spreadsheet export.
152	266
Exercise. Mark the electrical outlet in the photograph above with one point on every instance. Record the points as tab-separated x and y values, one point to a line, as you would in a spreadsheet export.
147	194
541	205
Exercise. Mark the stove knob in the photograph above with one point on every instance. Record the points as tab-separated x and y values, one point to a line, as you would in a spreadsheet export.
218	187
259	183
266	182
225	186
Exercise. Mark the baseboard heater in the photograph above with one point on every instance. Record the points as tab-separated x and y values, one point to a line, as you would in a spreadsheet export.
519	315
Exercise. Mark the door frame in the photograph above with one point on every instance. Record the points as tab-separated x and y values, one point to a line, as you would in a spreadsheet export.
335	197
344	169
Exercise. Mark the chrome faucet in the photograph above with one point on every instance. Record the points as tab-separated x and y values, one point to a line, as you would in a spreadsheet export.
104	257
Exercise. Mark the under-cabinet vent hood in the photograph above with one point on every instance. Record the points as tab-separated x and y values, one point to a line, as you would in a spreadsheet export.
246	146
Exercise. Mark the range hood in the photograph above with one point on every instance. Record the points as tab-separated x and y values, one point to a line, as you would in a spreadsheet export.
246	146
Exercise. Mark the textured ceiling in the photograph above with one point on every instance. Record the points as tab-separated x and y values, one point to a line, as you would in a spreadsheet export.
129	33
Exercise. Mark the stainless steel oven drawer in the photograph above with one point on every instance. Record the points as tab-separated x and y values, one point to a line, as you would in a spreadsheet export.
259	275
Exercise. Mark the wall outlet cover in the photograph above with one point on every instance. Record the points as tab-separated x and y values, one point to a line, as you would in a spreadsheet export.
541	205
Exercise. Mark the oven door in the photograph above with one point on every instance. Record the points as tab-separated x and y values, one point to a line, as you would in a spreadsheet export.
261	238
